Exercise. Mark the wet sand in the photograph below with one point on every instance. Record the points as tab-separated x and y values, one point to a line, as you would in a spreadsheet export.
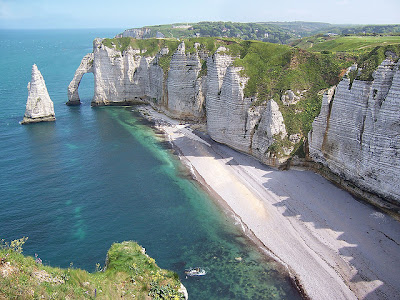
333	246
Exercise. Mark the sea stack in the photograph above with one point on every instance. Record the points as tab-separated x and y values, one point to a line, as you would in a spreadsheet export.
39	107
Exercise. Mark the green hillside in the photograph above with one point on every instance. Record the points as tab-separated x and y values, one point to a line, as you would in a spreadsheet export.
356	44
128	274
274	69
273	32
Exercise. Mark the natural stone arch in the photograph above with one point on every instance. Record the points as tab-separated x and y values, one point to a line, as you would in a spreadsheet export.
86	66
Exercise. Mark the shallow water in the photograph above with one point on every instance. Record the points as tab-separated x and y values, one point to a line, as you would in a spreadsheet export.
101	175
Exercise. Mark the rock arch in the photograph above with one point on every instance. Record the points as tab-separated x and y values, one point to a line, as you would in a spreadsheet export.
86	66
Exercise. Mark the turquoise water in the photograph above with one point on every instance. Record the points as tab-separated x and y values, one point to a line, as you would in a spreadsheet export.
100	175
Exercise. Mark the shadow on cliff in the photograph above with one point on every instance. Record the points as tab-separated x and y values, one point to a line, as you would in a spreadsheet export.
368	239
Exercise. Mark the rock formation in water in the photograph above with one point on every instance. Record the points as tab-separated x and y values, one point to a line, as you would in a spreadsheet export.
180	91
128	77
39	107
86	66
357	134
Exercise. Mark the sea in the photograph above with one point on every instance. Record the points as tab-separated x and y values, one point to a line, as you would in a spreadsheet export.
102	175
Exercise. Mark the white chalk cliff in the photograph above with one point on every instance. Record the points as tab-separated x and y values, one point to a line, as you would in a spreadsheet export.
39	107
231	117
129	77
357	134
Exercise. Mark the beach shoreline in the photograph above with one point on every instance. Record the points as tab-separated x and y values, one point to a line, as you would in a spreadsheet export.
295	217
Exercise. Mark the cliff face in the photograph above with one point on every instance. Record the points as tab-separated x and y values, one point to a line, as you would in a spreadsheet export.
184	86
181	90
127	77
231	117
39	106
357	134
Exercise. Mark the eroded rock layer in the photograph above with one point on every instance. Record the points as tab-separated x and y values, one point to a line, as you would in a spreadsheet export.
39	106
357	134
232	119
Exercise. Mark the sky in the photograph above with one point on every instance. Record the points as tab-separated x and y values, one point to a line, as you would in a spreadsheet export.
54	14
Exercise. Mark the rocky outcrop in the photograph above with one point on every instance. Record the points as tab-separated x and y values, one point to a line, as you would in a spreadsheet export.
136	33
185	87
129	77
119	78
232	119
86	66
39	106
290	97
357	134
180	91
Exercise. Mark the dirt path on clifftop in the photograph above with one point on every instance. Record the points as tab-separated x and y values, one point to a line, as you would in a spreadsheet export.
337	247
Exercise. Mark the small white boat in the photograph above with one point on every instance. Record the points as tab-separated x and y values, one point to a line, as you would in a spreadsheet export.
195	272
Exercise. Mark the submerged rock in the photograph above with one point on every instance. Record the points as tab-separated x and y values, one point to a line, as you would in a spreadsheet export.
39	107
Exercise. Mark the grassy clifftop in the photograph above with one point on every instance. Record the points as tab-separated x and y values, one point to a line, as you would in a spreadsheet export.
273	32
128	273
272	69
276	71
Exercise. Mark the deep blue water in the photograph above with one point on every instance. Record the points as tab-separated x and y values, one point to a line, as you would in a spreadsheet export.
100	175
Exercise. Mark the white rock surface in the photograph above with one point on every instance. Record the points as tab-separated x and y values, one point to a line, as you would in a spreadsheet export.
39	106
86	66
357	134
231	118
270	129
130	77
290	97
185	95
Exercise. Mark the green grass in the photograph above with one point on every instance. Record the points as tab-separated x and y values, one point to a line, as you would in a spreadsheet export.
369	61
355	44
128	273
273	69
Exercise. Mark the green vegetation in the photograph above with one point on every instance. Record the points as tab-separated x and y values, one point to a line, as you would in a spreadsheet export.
368	62
349	44
129	273
148	47
367	50
273	69
273	32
